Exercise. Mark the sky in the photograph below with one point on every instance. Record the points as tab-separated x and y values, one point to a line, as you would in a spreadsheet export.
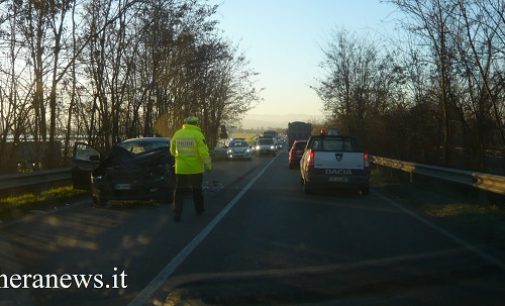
283	40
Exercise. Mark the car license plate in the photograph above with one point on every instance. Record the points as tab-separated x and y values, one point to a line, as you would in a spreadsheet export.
122	187
338	179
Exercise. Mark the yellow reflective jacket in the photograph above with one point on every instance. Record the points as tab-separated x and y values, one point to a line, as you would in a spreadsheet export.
190	150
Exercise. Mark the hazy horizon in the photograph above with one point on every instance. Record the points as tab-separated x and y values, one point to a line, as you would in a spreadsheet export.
264	121
286	50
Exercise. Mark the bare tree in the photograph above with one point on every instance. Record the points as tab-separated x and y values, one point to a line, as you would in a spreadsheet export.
433	20
15	93
128	66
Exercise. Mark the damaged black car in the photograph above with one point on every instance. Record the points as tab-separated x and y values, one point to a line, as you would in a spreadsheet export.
135	170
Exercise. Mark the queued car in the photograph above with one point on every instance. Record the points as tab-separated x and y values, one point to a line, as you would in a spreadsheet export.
138	169
219	152
295	153
238	149
334	161
265	146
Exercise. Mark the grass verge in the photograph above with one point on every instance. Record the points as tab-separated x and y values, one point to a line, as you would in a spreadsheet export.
463	210
14	206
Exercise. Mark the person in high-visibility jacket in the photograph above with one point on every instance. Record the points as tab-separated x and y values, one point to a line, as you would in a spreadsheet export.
191	159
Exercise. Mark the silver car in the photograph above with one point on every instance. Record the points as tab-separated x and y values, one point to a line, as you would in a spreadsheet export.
239	149
265	145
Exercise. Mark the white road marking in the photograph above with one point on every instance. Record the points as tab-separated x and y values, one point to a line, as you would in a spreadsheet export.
472	248
143	297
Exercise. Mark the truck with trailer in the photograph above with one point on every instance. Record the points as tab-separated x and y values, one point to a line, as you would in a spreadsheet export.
298	131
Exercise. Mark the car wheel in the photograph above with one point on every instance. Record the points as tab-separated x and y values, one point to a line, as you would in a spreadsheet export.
167	197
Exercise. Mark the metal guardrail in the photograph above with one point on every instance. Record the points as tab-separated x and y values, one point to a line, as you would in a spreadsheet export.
18	181
484	181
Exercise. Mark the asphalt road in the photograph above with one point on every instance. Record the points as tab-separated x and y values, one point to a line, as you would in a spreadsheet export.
81	239
261	241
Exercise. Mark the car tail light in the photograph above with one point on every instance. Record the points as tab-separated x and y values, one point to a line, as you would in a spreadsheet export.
310	161
365	157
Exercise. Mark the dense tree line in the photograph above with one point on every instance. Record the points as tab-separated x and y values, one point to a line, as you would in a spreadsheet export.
104	70
436	95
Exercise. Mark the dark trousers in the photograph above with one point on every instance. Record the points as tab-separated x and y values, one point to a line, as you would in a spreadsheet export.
186	183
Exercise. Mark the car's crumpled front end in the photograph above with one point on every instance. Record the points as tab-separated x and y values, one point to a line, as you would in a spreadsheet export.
127	177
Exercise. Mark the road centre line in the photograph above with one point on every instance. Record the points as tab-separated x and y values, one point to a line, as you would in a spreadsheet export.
472	248
169	269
